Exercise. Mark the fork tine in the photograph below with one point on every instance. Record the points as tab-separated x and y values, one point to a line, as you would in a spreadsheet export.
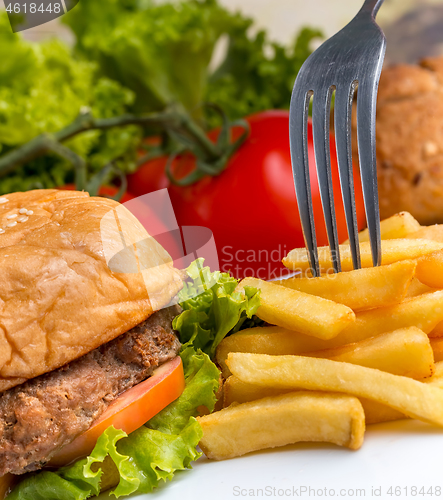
342	117
298	136
320	125
366	104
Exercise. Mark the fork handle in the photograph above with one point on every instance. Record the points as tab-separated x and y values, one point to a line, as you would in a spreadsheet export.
371	7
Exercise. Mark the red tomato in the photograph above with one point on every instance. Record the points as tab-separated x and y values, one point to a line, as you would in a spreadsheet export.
151	175
7	482
251	207
130	410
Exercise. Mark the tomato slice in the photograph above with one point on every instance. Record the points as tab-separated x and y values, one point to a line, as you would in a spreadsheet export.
130	410
7	482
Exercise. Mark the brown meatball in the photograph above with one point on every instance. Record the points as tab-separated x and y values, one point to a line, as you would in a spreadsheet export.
410	140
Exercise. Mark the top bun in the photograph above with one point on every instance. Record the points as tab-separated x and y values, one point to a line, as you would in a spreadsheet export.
76	272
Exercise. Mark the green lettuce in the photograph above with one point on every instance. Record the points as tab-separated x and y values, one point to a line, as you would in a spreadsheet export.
212	307
138	462
163	51
43	88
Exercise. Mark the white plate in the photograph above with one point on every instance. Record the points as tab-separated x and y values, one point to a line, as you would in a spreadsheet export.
399	455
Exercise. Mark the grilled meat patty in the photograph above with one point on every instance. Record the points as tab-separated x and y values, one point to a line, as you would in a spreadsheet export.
40	416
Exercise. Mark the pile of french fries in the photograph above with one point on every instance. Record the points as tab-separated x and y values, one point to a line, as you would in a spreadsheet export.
345	350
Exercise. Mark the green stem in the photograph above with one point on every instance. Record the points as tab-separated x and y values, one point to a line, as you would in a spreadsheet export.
210	149
45	143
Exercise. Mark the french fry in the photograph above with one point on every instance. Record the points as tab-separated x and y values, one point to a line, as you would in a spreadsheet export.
430	269
405	352
299	311
437	377
437	331
424	312
437	348
413	398
237	391
361	288
266	340
434	232
418	288
376	413
392	251
398	226
280	420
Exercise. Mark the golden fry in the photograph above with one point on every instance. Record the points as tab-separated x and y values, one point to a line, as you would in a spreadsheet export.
392	251
266	340
424	312
413	398
418	288
437	348
398	226
360	289
280	420
376	413
236	391
299	311
405	352
430	269
434	232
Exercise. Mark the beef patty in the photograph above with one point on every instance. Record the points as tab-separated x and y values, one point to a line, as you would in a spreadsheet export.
40	416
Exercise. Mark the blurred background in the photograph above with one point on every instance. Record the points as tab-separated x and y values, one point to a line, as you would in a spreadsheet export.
125	97
282	18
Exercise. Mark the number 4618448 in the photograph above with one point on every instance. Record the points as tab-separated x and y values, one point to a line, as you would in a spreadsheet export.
18	8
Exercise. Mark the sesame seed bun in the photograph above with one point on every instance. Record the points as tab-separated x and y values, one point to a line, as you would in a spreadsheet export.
60	297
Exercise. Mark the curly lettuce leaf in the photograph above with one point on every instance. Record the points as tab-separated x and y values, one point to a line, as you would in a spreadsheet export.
202	378
212	307
138	462
31	105
161	51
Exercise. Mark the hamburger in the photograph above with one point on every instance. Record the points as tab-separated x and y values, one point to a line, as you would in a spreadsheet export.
84	293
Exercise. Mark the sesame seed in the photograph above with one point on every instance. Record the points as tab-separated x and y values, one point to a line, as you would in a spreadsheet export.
29	212
11	224
22	218
12	216
2	231
4	200
22	210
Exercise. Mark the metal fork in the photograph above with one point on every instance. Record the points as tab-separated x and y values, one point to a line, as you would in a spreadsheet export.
353	57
